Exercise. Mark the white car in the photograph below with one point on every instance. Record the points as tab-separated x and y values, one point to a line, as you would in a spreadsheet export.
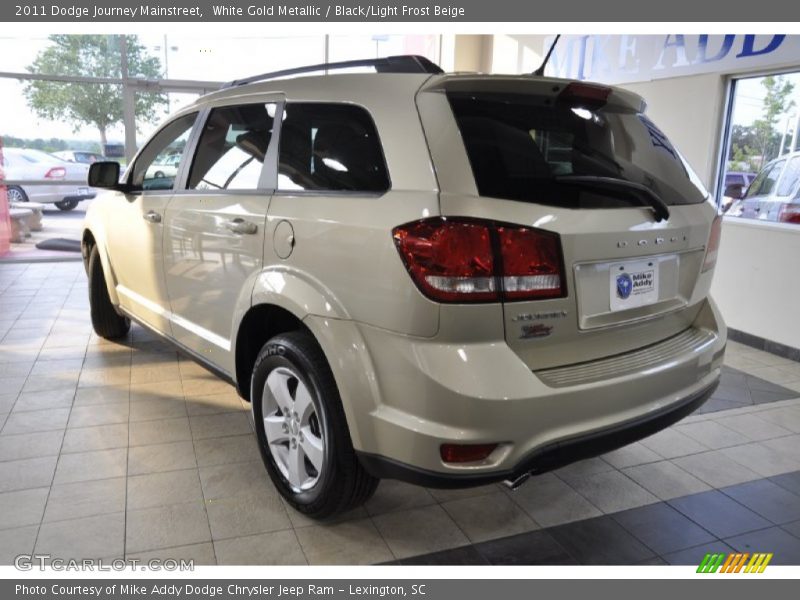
79	156
25	164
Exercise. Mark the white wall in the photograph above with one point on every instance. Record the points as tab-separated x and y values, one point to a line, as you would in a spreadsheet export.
756	282
689	110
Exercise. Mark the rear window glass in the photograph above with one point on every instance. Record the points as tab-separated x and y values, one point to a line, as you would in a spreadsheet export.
330	147
522	147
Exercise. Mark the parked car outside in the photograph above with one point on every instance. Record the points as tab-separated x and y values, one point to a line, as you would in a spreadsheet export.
22	164
79	156
774	195
449	280
736	184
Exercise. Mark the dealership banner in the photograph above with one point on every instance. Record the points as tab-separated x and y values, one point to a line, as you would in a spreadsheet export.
398	11
730	587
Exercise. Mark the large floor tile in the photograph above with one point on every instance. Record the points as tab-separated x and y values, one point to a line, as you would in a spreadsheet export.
784	547
763	459
162	489
30	445
87	466
720	515
671	443
600	541
143	433
716	468
276	548
394	495
419	531
242	515
91	537
550	501
14	542
166	527
200	554
85	499
712	434
27	473
753	427
102	437
156	458
662	528
484	518
612	491
226	450
221	425
767	499
34	421
224	481
350	543
532	548
666	480
22	507
693	556
45	400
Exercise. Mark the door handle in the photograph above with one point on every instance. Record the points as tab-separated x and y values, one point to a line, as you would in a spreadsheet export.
239	225
152	216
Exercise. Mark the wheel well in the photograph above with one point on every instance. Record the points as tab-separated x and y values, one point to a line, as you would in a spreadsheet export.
259	324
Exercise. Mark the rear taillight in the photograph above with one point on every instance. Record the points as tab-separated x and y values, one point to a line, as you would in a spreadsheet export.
789	213
712	248
470	260
56	173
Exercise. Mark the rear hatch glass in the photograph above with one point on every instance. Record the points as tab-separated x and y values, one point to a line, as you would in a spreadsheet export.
569	152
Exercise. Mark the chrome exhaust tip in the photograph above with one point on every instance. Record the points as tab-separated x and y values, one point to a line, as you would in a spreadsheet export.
513	484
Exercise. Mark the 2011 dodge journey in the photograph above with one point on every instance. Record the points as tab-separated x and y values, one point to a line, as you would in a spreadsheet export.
444	279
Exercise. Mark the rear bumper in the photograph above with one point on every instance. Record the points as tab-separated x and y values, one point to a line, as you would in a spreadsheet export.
404	397
548	457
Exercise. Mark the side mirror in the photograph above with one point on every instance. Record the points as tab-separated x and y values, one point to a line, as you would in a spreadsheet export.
104	174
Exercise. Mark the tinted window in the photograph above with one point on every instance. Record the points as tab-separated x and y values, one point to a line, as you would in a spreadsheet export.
790	177
158	164
521	147
330	147
232	148
766	180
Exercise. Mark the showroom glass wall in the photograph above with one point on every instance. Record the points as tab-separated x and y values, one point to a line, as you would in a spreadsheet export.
760	174
165	72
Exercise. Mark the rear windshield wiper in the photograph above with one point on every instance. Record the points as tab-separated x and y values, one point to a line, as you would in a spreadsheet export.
643	193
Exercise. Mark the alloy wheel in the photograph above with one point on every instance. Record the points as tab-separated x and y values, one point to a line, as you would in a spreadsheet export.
293	428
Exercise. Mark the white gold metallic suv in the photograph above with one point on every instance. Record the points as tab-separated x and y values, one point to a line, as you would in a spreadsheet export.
444	279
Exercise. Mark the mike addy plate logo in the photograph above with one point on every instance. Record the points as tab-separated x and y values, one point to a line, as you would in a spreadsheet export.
735	562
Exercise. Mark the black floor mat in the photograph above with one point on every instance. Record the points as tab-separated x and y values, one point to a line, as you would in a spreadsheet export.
61	244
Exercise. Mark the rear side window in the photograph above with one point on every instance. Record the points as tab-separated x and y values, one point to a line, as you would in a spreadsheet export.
766	180
232	148
790	177
523	147
330	147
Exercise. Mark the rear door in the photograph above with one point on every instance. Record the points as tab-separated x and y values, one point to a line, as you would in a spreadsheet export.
585	163
214	228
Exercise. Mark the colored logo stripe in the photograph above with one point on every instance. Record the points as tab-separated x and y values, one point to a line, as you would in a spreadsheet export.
734	562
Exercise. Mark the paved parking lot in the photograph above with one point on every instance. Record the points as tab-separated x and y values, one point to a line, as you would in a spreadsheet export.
130	450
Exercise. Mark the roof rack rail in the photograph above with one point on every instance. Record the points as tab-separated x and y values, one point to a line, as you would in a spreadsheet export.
406	63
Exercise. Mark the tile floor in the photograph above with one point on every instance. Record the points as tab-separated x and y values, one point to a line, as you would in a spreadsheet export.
111	450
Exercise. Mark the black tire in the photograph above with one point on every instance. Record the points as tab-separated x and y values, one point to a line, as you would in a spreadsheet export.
16	194
66	205
343	483
107	323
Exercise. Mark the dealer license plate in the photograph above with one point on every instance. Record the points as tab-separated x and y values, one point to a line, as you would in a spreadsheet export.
633	284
